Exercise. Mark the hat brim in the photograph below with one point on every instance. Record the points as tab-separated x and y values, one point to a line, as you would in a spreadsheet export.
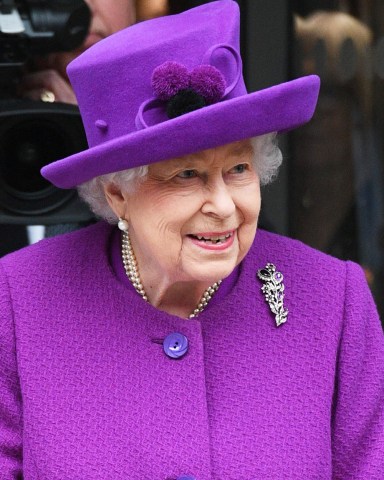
275	109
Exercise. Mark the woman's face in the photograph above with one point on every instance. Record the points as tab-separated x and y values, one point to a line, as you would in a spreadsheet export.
193	218
108	17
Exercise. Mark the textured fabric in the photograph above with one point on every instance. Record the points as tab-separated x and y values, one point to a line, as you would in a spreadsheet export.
127	126
87	392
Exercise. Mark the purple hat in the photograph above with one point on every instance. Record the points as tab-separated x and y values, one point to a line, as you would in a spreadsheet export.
170	87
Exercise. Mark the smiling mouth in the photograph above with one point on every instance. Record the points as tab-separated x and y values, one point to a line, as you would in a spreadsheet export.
212	239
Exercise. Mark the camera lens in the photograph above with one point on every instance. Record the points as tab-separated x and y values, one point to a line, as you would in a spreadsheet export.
27	147
33	134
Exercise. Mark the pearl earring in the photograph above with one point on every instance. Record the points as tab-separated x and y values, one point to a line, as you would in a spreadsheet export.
123	225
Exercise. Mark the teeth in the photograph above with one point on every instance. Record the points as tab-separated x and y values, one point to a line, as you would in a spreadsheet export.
215	239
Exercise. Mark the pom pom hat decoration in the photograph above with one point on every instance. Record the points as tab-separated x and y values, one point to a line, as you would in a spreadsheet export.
169	87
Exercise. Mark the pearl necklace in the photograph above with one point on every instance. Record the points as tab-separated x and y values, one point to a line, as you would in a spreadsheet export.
132	272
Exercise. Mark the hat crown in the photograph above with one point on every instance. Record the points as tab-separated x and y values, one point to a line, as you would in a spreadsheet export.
121	66
170	87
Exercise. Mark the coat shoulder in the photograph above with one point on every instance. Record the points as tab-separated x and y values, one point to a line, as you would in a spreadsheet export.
59	251
318	287
59	259
296	257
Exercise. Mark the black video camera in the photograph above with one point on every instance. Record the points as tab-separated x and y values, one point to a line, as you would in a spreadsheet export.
35	133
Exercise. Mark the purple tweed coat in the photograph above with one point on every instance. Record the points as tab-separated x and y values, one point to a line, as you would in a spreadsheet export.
86	391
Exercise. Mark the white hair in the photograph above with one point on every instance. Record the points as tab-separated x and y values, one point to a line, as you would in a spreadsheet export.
267	159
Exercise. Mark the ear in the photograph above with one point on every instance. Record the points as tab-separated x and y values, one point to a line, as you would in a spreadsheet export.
116	199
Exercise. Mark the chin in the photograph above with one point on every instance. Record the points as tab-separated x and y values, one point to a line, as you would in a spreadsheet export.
209	274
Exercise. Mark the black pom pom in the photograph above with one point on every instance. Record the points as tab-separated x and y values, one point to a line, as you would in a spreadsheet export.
183	102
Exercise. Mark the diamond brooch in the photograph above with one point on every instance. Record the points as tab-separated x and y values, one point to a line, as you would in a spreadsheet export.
273	290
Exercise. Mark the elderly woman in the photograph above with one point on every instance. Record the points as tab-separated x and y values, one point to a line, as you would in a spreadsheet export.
181	344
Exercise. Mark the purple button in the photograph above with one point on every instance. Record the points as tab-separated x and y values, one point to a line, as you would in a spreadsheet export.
101	125
186	477
175	345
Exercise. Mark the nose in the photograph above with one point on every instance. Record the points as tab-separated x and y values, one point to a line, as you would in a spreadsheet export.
219	200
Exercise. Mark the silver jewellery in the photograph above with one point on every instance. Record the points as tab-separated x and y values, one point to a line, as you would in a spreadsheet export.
132	272
273	290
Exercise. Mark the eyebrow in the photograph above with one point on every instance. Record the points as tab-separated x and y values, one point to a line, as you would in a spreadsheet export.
242	149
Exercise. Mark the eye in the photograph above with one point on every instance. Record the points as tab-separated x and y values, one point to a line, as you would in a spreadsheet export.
187	174
241	168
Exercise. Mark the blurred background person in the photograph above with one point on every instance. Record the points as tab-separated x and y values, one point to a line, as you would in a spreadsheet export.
46	80
337	202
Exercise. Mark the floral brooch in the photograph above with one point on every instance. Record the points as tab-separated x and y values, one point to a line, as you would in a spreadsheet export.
273	290
185	91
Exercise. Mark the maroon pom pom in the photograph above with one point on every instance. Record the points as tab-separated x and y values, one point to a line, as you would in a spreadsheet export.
208	81
168	79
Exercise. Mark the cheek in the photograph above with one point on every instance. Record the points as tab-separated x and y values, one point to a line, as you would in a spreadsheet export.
118	17
249	203
176	216
250	209
163	214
